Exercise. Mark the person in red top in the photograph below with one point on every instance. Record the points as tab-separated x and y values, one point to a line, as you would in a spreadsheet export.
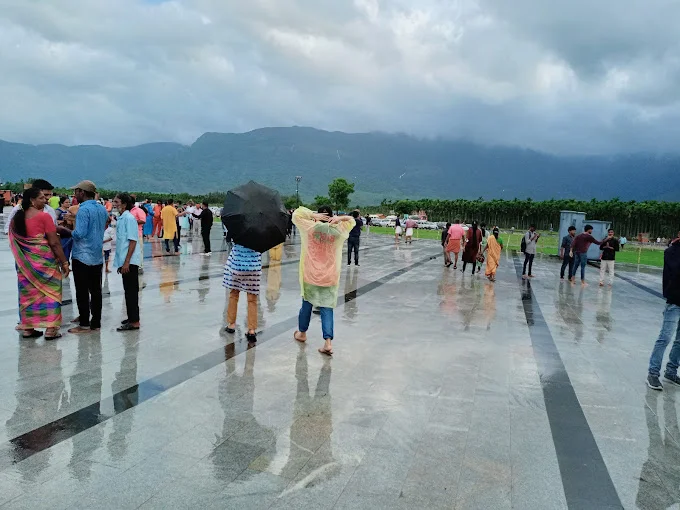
157	220
579	248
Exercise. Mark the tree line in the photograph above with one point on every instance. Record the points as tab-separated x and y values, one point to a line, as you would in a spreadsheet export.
628	218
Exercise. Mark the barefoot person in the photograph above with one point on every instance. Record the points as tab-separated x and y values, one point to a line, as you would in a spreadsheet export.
322	236
453	241
493	248
128	258
565	250
88	257
609	247
40	265
579	248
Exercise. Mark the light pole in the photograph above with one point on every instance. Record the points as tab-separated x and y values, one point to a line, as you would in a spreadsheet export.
298	178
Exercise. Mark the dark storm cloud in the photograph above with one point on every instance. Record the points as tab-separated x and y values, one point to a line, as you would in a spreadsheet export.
563	76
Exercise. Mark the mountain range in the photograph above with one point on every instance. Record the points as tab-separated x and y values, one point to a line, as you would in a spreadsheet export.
381	166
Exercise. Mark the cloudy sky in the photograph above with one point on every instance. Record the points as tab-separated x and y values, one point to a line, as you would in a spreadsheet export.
564	76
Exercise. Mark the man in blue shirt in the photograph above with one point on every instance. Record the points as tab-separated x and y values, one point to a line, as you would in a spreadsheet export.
88	257
128	259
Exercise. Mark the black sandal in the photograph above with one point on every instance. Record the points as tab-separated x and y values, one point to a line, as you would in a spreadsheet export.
127	327
229	330
251	337
55	337
35	334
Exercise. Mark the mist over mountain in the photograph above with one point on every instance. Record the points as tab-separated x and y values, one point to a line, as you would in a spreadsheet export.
382	166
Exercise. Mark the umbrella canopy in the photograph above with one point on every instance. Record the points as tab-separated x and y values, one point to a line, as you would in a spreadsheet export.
255	216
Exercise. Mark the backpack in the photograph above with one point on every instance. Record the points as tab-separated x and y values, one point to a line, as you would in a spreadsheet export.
523	246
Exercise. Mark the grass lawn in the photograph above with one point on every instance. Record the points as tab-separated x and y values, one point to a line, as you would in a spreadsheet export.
548	244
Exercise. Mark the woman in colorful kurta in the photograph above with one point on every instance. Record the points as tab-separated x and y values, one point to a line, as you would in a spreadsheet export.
472	244
39	257
242	273
322	236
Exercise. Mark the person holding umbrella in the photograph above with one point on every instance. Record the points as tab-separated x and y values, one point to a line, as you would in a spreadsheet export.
256	219
322	236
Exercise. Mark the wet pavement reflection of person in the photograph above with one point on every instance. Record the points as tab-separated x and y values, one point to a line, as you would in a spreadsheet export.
658	488
312	427
570	308
238	392
204	280
351	278
31	417
489	304
273	292
447	291
169	283
603	314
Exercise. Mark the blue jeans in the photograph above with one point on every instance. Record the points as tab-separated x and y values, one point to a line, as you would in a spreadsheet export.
580	259
670	327
326	319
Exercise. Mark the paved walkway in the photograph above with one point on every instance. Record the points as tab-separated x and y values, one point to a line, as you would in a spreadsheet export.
445	391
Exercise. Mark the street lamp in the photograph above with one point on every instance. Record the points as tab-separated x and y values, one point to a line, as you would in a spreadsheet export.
298	178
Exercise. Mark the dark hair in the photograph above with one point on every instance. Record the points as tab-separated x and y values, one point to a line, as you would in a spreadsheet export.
63	199
42	184
127	200
19	220
495	232
571	228
610	230
169	202
355	214
325	209
457	221
532	225
587	227
206	204
448	226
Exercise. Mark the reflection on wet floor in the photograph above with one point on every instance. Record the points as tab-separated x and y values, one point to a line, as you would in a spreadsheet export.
445	391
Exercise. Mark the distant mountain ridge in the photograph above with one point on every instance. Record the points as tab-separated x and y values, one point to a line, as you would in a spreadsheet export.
382	166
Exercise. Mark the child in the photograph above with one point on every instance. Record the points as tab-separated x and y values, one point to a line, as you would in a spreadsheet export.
323	236
109	236
242	273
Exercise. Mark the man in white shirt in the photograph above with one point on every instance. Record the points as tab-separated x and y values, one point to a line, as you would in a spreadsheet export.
48	191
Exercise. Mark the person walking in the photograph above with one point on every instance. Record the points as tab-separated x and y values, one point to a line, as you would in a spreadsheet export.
148	225
322	236
128	258
529	242
157	220
397	229
622	241
493	248
445	235
473	242
88	257
670	329
485	238
579	249
354	239
410	225
41	266
206	220
609	247
109	236
453	242
243	273
169	220
565	252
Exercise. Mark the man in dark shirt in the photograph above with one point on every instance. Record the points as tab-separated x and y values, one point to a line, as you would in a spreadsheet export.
206	217
609	247
565	248
579	248
671	321
353	240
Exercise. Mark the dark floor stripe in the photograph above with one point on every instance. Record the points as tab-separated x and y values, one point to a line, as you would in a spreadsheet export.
585	478
53	433
653	292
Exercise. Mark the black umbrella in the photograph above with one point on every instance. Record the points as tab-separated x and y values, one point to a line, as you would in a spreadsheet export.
255	216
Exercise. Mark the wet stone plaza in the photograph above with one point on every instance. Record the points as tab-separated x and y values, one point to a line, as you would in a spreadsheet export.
445	391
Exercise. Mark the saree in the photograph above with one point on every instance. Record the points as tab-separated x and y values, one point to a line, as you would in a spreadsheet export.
39	282
493	249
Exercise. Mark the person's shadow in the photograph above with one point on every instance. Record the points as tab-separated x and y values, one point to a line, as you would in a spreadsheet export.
658	487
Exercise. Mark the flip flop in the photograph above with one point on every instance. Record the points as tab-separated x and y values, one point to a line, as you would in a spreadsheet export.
230	330
295	335
127	327
326	352
251	337
35	334
55	337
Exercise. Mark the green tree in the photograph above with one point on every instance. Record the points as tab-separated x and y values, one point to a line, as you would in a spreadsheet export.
339	191
290	201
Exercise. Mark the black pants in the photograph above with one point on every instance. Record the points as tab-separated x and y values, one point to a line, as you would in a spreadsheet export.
205	233
353	246
528	259
88	280
175	242
567	262
131	287
473	264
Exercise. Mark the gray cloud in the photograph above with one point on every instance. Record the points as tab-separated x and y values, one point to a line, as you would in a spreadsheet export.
561	76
